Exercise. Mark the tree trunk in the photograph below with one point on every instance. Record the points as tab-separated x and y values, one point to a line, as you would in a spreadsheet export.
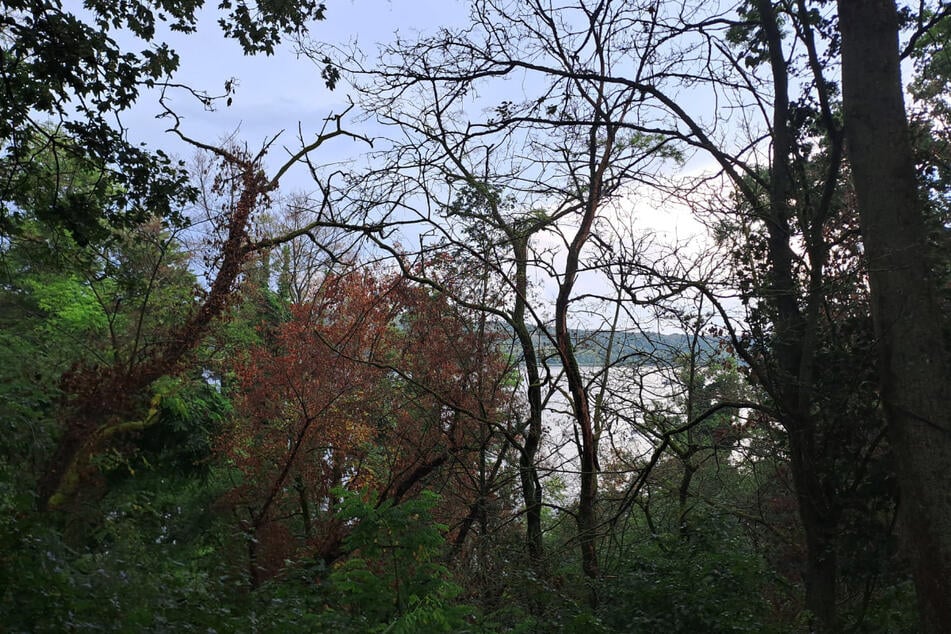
683	497
528	470
820	578
793	357
909	326
819	518
303	500
107	397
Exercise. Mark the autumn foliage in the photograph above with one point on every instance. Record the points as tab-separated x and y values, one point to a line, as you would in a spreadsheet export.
373	385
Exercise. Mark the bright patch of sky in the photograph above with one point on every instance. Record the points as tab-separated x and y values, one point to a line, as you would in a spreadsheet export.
281	92
285	92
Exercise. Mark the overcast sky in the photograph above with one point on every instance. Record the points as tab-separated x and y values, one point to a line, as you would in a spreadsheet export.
283	91
279	92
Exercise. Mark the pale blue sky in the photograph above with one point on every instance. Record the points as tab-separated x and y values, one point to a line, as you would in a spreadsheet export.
284	90
280	92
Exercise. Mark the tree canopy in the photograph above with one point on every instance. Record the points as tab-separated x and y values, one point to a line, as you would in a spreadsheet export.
462	381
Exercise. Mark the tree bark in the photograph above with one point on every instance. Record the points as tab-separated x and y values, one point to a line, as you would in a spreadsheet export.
528	469
793	357
909	326
819	516
599	159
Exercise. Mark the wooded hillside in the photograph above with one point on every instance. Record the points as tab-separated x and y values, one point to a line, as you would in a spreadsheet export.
432	363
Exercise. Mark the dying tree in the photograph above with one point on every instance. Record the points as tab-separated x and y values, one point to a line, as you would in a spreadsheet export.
107	401
372	385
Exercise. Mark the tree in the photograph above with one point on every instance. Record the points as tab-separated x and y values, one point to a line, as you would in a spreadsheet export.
910	327
795	256
66	82
256	411
364	389
122	185
584	151
104	397
792	192
106	297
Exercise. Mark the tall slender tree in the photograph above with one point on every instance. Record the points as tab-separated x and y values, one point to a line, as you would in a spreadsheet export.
910	327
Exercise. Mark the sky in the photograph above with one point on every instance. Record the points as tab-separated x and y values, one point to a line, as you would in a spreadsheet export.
285	91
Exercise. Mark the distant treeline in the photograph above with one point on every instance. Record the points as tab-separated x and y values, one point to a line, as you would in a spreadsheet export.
626	347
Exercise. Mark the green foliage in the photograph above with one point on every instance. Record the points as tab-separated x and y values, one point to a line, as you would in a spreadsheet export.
893	611
103	296
157	564
393	579
192	412
71	304
93	277
64	65
711	584
259	26
28	394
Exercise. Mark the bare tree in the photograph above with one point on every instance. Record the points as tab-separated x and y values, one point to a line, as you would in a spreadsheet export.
520	187
791	190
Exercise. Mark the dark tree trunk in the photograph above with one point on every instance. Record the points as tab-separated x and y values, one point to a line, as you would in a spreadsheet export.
793	357
820	526
304	501
683	496
599	159
909	326
821	570
528	470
